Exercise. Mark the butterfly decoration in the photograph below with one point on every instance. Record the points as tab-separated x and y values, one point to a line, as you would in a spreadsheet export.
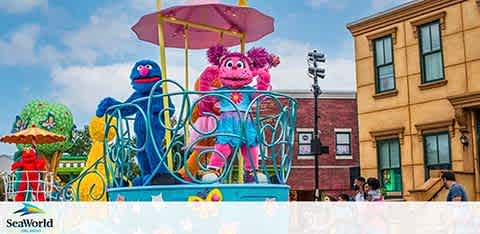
213	196
49	123
203	202
19	125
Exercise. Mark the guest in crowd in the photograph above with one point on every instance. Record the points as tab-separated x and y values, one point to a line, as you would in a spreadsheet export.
359	186
373	190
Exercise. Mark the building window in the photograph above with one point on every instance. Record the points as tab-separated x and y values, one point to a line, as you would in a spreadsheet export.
437	152
384	72
343	143
431	52
305	137
389	165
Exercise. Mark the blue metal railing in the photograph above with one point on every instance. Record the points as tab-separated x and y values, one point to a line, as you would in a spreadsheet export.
273	116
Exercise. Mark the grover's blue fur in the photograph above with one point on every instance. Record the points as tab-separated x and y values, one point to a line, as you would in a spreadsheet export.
147	159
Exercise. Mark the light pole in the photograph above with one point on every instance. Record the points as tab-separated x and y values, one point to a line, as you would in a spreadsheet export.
315	72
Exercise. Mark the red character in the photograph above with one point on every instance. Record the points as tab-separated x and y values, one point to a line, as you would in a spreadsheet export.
30	167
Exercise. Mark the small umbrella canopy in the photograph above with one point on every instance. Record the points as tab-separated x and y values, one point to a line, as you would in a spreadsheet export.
32	135
254	24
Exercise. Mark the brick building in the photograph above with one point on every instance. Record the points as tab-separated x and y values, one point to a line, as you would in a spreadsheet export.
338	127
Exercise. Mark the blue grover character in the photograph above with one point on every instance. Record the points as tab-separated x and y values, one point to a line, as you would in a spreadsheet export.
144	75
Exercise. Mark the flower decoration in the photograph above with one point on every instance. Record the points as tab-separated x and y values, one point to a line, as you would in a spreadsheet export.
236	97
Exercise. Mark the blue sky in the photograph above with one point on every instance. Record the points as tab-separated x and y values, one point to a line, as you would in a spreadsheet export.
76	52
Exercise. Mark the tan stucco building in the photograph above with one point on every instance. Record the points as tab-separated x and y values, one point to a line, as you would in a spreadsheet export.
418	87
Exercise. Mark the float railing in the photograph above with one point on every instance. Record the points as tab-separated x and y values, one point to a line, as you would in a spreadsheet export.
273	116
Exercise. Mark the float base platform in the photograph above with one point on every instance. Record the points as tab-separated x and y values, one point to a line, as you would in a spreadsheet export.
180	193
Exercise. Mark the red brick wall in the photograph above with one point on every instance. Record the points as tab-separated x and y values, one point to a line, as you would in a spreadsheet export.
334	113
334	173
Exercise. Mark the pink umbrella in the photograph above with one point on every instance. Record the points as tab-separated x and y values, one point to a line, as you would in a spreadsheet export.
252	23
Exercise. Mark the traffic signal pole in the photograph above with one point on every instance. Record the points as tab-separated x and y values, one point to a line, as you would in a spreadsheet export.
316	138
315	72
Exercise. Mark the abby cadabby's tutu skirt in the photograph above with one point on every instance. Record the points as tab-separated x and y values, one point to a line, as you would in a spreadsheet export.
235	123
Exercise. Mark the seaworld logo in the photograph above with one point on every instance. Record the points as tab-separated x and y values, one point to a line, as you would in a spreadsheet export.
29	209
29	225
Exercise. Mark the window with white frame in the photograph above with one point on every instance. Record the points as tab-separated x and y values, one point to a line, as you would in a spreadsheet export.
343	143
305	136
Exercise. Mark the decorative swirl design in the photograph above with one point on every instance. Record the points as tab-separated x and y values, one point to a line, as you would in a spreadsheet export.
273	116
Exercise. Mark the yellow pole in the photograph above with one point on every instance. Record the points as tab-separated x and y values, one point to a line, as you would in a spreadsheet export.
240	159
221	38
243	3
242	43
185	34
163	63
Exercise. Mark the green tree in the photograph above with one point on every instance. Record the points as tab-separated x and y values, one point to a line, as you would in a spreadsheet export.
82	142
53	117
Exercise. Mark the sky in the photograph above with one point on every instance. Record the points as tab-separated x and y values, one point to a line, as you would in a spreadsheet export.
77	52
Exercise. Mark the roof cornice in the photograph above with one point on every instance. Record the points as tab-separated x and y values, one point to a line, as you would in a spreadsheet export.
398	14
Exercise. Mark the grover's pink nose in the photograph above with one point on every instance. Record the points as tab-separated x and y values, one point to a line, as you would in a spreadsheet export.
144	71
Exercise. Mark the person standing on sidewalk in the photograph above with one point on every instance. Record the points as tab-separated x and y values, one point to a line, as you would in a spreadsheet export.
456	192
359	192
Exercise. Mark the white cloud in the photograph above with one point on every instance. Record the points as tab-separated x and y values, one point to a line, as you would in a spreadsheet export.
19	46
21	6
106	35
292	72
82	87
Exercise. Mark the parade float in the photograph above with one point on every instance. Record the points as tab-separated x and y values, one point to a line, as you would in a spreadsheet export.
230	138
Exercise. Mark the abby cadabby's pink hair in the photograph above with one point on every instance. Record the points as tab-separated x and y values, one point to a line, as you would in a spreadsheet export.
215	53
256	57
259	57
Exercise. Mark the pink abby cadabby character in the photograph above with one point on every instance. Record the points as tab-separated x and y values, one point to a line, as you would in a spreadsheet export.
236	71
